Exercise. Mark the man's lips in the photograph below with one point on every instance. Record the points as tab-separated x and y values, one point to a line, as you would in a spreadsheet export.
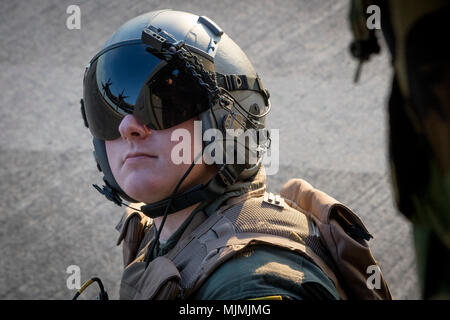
137	155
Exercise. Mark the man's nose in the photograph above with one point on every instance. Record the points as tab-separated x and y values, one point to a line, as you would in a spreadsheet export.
131	128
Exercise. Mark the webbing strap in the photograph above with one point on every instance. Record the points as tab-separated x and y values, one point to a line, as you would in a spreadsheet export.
197	227
233	82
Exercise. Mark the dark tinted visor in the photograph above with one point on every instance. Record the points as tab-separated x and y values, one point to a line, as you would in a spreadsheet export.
132	80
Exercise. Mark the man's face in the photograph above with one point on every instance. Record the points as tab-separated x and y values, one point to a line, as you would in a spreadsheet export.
140	161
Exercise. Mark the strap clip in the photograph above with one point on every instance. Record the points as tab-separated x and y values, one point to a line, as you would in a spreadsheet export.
233	81
228	174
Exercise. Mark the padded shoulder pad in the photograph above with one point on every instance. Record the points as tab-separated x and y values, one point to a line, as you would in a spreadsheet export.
344	235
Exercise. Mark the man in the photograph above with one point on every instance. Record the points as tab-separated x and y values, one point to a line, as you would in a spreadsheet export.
206	228
419	121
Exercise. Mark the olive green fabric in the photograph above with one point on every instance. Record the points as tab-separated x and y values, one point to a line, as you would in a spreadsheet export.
266	271
416	32
165	246
419	119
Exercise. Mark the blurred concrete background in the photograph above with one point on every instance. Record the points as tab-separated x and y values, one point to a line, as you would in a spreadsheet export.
332	132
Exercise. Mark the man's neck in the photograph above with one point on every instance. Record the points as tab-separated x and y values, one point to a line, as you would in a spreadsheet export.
173	222
176	219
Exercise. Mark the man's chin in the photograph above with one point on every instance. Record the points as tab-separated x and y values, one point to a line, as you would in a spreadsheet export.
148	195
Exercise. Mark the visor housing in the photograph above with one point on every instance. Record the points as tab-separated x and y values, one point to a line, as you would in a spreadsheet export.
130	79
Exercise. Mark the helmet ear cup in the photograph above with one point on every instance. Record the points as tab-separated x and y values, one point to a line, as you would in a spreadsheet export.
103	165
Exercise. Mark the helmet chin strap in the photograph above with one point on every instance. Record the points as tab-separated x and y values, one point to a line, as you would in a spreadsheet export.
226	176
196	194
215	187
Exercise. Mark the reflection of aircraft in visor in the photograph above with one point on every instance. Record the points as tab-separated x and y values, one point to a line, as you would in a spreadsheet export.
116	100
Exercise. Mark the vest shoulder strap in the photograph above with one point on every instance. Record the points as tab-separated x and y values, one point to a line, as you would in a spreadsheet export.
250	222
345	236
